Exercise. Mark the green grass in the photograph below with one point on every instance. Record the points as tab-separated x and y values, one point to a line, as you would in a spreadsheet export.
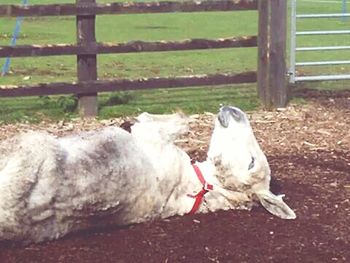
151	27
189	100
193	100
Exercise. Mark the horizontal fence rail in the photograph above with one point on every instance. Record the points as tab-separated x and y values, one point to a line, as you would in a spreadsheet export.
83	9
127	84
134	46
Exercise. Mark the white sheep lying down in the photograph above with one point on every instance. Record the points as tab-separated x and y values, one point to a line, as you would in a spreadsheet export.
53	186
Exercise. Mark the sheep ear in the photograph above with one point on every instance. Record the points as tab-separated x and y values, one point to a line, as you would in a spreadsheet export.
276	206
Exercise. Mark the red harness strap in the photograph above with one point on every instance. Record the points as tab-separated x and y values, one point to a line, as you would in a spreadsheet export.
200	195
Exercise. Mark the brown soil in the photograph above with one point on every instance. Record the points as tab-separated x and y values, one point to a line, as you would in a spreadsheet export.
308	148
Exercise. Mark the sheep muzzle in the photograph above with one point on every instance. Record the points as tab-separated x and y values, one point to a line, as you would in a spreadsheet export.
226	113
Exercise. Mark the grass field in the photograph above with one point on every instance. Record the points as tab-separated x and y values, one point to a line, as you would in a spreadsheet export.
175	26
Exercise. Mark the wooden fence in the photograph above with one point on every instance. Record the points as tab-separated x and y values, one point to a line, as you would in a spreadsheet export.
271	42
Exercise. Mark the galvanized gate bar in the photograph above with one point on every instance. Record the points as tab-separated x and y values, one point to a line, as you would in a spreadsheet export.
322	63
293	48
293	28
337	15
322	48
322	77
329	32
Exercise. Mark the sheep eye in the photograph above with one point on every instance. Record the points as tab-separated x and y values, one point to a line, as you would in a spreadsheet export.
251	165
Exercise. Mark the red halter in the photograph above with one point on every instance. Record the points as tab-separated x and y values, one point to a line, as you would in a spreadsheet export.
200	195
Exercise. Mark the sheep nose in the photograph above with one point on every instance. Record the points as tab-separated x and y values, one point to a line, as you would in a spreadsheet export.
234	112
226	112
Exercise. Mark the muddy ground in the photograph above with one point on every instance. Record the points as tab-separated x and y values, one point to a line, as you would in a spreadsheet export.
308	148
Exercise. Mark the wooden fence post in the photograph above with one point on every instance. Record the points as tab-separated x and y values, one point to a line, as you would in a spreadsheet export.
272	73
86	64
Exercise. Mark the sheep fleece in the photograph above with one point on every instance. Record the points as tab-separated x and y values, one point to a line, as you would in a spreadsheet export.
51	186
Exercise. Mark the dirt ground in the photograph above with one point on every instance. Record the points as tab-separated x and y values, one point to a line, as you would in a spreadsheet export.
308	148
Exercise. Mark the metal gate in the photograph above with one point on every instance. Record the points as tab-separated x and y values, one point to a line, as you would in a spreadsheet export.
294	49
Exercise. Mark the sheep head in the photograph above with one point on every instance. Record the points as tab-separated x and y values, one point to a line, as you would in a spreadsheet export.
240	163
165	128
